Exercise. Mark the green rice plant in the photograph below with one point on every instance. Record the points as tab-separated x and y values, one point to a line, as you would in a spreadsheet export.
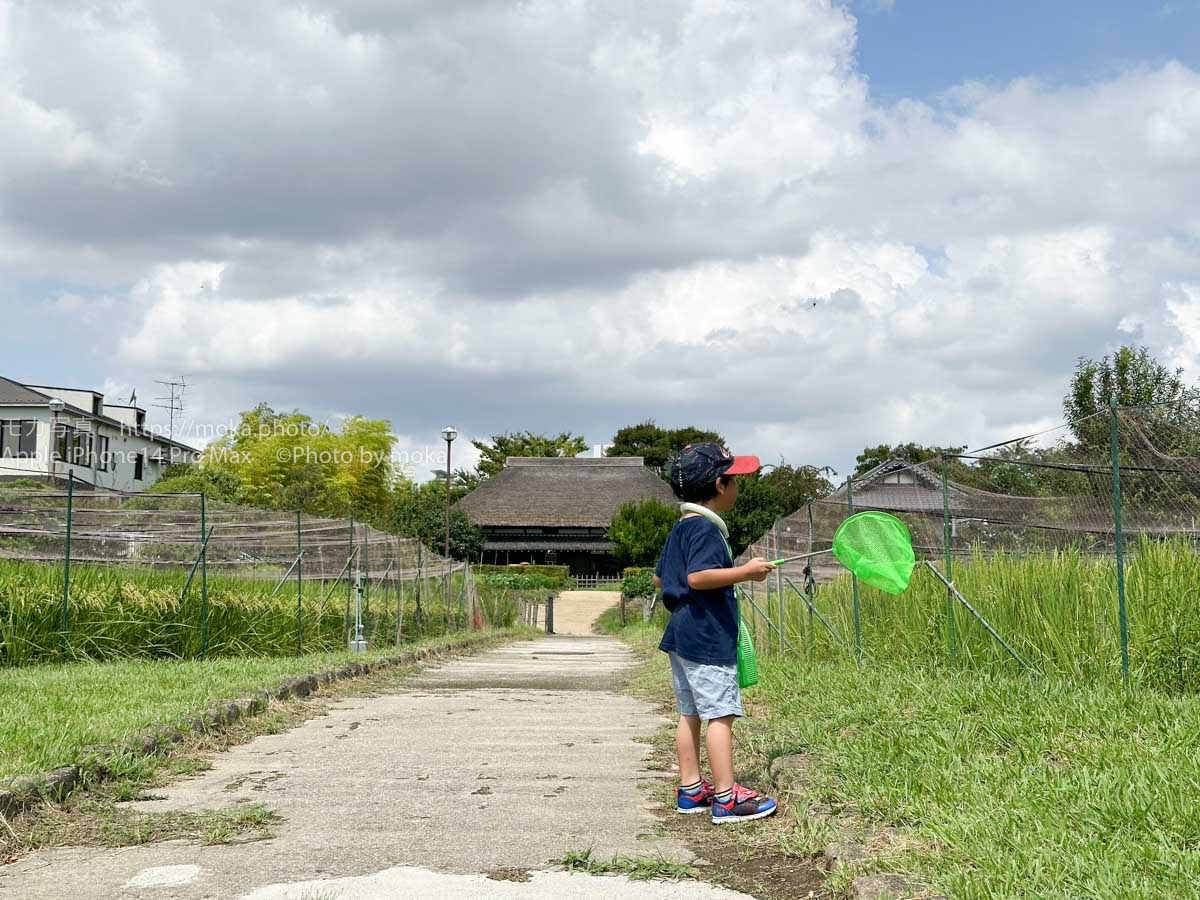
1058	609
121	611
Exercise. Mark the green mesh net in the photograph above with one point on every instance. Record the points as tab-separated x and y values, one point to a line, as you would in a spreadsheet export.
877	548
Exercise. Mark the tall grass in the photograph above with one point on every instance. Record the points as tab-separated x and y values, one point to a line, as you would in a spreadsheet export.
117	612
1057	609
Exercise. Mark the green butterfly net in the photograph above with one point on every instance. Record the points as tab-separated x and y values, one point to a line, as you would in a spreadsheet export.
877	548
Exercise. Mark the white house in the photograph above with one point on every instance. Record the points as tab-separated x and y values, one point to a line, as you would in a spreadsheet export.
48	432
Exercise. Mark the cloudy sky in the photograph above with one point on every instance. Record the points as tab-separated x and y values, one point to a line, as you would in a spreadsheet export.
811	225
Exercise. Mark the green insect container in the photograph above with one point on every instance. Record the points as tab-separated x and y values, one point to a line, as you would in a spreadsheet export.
747	662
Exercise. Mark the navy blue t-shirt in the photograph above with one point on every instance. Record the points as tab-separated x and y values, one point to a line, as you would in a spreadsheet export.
704	624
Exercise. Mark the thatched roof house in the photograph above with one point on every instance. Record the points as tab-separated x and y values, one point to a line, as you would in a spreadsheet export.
557	510
898	484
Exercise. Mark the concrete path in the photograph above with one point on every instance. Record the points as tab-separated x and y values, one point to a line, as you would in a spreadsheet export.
503	761
575	612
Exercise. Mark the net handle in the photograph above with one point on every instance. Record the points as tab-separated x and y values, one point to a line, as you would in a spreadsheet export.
787	559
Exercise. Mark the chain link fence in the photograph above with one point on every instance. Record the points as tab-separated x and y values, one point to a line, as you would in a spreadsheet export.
1069	552
89	574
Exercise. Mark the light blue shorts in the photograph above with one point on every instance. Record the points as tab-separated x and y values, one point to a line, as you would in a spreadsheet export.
709	692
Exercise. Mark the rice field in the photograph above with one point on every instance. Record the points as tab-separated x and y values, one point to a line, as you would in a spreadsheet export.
119	612
1057	609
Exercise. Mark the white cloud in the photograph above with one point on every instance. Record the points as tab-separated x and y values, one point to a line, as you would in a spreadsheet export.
579	215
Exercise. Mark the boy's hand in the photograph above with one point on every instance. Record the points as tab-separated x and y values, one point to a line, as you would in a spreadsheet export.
757	570
712	579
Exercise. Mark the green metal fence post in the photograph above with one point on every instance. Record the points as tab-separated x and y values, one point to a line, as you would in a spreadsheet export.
1120	539
67	561
401	576
947	529
810	583
854	581
203	576
779	587
366	554
417	614
767	616
352	566
299	589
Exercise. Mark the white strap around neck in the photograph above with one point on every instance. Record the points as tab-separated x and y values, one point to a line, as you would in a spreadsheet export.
708	514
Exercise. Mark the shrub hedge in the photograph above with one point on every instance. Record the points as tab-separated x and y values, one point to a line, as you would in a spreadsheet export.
560	572
638	582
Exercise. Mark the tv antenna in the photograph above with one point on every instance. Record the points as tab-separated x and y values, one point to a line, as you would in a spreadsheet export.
173	402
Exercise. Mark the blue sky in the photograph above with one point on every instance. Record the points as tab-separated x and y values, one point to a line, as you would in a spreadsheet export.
917	48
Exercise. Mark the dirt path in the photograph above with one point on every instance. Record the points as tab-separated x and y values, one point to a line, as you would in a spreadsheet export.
575	612
494	764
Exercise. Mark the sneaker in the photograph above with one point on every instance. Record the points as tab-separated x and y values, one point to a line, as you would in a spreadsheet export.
744	806
689	804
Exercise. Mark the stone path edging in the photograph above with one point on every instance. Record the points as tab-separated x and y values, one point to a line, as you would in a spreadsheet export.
53	786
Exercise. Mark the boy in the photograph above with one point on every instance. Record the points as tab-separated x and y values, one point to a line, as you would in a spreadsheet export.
697	575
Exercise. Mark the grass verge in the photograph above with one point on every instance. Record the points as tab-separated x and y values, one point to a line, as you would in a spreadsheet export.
996	786
96	817
50	714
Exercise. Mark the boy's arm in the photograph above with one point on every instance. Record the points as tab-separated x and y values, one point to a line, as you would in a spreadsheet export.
712	579
708	558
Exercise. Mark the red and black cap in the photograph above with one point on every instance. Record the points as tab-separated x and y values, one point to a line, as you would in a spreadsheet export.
701	464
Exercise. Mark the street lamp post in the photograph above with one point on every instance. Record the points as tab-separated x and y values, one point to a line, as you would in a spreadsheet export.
56	406
449	433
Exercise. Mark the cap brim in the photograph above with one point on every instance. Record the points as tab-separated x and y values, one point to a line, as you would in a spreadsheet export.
743	465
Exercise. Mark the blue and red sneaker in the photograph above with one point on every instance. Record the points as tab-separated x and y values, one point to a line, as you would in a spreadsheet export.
688	804
743	805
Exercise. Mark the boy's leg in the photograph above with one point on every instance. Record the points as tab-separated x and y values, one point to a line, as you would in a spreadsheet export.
719	742
687	749
694	794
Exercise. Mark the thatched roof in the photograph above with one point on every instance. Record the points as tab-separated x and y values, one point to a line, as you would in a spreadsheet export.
558	492
561	545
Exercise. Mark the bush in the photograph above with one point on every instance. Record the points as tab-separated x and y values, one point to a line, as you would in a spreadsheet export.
562	572
640	528
637	583
520	581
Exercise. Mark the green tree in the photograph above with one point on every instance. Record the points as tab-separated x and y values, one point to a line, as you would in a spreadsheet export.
466	540
767	495
1005	473
912	452
419	510
1132	377
640	528
493	452
657	446
191	478
288	461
